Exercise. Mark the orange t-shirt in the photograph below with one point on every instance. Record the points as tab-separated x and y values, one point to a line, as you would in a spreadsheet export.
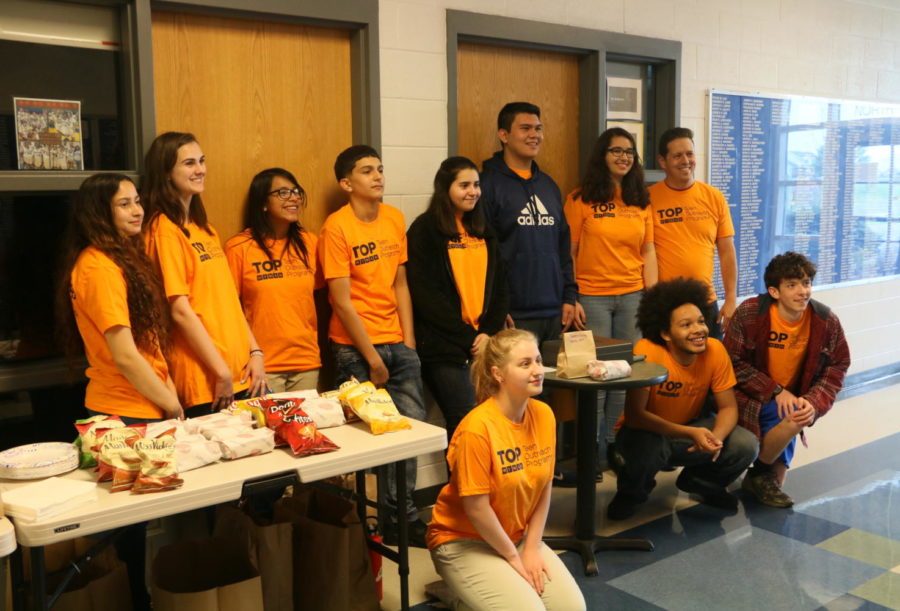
686	226
511	463
369	254
468	260
787	346
680	398
277	297
609	237
195	266
523	174
100	302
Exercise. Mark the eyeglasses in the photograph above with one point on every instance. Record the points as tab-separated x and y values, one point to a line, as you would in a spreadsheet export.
618	151
284	194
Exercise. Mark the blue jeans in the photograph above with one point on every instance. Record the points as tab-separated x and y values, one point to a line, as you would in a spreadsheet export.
610	316
451	386
405	387
646	453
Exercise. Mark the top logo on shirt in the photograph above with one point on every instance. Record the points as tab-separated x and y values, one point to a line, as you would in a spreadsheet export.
604	210
535	213
364	253
670	215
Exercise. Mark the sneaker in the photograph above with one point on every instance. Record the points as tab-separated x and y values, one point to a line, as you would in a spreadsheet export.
621	508
565	479
709	493
764	488
569	479
415	533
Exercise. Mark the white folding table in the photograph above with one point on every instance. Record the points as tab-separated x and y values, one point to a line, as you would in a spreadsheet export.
224	481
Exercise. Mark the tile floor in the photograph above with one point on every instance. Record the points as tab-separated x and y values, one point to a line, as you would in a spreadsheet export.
838	548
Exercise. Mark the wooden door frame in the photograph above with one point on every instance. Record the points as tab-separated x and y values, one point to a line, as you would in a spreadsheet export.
360	17
593	48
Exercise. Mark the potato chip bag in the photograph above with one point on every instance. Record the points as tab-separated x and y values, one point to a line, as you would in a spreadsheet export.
158	471
87	437
118	461
349	389
293	426
377	409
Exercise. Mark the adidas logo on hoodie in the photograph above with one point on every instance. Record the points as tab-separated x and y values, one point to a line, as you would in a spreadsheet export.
535	213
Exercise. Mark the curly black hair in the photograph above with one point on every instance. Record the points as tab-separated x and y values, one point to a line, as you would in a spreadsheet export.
654	315
788	265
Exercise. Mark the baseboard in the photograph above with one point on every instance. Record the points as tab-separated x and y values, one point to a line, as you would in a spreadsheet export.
869	380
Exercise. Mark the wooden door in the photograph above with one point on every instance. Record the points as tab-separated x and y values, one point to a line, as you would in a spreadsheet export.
490	76
257	94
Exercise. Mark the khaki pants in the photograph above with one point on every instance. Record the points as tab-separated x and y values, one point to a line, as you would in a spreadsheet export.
283	381
481	579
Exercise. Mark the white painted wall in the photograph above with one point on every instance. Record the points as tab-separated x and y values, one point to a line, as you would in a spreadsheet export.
830	48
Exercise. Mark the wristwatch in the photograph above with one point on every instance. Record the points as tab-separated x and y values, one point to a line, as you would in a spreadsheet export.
777	391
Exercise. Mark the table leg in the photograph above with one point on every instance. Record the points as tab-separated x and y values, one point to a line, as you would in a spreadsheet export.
38	579
17	579
402	534
586	542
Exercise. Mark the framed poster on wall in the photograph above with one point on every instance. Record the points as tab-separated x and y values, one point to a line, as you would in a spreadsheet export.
623	98
48	134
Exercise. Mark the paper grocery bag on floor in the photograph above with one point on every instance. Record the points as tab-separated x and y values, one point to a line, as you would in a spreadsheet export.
205	575
101	585
332	569
270	549
576	349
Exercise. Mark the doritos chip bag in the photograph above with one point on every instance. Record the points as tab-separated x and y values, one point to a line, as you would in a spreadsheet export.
293	426
377	409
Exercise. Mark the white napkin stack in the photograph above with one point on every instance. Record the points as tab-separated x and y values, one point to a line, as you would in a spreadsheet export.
47	498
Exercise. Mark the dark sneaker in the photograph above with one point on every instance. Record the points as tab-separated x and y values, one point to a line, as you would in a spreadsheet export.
565	479
621	508
709	493
569	479
764	488
416	533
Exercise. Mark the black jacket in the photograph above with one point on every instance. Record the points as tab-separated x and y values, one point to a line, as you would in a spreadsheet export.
441	334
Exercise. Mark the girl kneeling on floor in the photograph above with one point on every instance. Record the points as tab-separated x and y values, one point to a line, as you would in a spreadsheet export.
486	529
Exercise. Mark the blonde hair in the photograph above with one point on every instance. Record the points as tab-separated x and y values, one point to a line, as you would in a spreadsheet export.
494	352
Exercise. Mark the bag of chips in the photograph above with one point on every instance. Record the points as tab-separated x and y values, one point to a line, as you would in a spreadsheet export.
157	471
118	461
249	406
294	427
87	437
349	389
377	409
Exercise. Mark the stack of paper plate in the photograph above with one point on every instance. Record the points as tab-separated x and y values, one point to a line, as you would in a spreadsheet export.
38	460
7	537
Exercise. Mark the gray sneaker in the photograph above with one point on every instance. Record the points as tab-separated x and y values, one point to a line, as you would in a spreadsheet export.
764	488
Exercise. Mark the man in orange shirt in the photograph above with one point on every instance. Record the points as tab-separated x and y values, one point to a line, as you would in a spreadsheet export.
363	256
790	357
662	425
691	220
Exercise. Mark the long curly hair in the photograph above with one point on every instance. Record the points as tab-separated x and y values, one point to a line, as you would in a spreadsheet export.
256	219
158	193
91	224
597	186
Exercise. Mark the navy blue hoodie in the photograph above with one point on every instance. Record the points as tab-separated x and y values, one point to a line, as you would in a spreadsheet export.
527	216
